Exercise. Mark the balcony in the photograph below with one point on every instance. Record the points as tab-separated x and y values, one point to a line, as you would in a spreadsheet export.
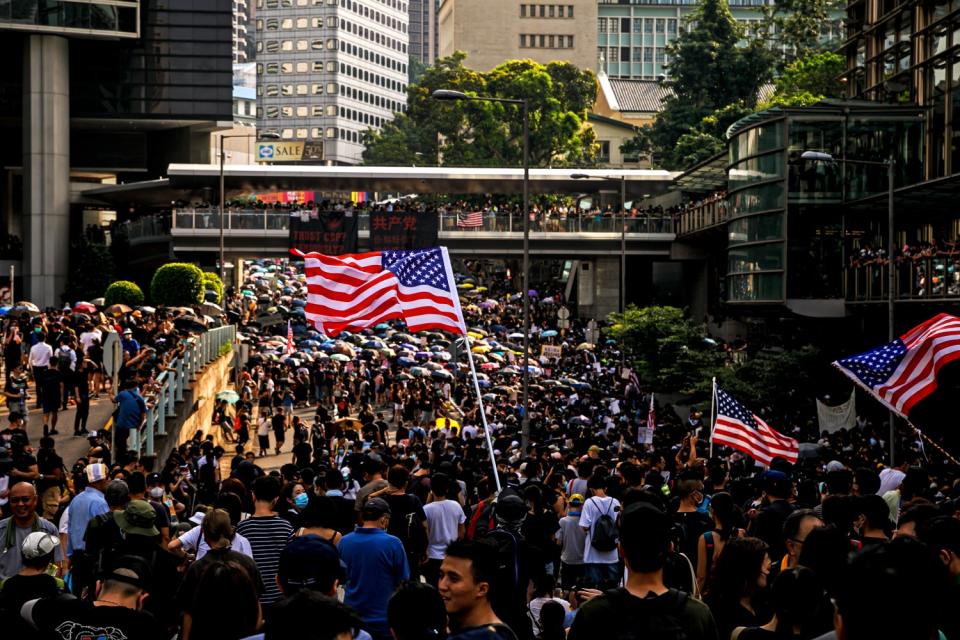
702	216
929	278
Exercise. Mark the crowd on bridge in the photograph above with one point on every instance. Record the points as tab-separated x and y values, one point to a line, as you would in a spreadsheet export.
386	520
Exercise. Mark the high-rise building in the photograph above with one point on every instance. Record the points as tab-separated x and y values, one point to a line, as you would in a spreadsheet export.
424	21
96	93
240	21
328	72
493	31
632	37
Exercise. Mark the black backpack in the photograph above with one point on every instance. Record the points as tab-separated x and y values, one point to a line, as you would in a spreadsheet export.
649	618
603	534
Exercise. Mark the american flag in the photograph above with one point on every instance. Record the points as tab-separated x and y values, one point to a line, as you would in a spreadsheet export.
470	219
904	372
740	429
360	290
290	345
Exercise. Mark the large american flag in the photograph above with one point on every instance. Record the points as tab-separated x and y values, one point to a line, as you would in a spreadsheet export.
470	219
360	290
738	428
904	372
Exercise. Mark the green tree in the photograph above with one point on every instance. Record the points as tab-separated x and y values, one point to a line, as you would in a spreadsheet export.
475	133
809	80
212	282
793	27
712	66
123	292
177	284
669	351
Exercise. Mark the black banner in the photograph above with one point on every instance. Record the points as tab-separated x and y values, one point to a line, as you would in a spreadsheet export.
330	232
399	230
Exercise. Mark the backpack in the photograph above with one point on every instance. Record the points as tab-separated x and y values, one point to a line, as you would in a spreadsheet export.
603	534
649	619
481	520
508	593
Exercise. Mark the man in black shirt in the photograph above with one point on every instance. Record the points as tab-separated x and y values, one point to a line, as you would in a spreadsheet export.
116	612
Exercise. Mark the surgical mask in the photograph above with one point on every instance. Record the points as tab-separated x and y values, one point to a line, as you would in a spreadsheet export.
156	492
301	500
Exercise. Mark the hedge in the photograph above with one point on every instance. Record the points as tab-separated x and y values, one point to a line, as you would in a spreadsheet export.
212	282
177	284
123	292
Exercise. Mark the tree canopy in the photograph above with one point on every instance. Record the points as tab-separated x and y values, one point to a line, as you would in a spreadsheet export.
477	133
809	80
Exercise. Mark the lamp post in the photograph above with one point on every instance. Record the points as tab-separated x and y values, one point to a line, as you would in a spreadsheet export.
890	164
447	94
623	232
265	136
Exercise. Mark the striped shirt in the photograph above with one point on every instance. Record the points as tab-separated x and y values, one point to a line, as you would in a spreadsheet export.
268	537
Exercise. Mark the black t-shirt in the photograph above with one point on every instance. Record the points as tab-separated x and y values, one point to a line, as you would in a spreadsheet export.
47	464
616	614
301	454
406	513
71	619
278	422
17	590
691	526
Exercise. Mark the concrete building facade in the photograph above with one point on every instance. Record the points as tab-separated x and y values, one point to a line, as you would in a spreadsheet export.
493	31
330	70
241	18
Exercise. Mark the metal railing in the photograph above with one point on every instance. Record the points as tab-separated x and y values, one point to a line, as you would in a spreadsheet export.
914	279
148	227
703	216
171	383
578	222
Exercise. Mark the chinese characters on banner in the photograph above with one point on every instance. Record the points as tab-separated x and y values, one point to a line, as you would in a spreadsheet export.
395	231
329	232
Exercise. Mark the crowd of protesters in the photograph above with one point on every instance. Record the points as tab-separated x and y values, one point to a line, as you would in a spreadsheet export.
386	522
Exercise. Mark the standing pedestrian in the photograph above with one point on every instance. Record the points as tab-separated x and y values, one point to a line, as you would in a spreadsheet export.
39	360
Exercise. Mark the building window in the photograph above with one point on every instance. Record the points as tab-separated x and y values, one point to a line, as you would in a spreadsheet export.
569	10
637	25
624	54
523	11
551	13
569	42
601	25
614	25
331	88
302	113
647	54
604	151
560	9
551	42
543	11
523	41
672	26
648	25
331	132
637	54
661	25
543	40
660	55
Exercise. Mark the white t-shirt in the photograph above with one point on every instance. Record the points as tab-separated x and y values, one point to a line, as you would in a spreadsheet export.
193	542
87	338
40	355
592	509
443	518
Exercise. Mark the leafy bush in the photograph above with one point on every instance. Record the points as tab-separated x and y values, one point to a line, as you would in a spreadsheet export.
177	284
212	282
123	292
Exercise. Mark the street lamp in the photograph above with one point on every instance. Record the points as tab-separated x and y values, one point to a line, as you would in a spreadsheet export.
623	230
890	164
265	136
448	94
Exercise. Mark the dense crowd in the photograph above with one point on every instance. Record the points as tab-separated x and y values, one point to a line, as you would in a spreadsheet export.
386	521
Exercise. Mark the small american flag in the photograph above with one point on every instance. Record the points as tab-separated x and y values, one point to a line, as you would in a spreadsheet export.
360	290
290	345
904	372
470	219
740	429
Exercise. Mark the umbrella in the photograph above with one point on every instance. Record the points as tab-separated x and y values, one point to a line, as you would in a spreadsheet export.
481	348
479	330
515	336
310	343
84	307
585	346
26	307
488	304
230	396
504	391
4	311
373	344
441	375
339	357
211	308
343	348
533	293
810	450
489	366
383	326
387	352
419	371
349	423
444	423
465	285
117	309
488	397
99	301
405	362
549	333
148	310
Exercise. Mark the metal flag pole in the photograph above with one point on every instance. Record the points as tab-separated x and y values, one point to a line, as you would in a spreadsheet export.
483	414
713	414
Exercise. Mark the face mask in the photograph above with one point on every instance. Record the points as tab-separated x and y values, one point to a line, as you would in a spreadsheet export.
156	492
301	500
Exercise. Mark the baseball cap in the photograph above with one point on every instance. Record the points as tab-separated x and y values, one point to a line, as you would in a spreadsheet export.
576	499
39	544
375	508
96	472
128	332
310	561
154	478
138	518
510	508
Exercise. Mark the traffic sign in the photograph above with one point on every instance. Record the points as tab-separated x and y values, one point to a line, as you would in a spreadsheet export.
112	353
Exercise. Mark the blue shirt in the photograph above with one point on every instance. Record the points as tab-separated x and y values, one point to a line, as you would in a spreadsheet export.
132	408
83	508
376	565
131	346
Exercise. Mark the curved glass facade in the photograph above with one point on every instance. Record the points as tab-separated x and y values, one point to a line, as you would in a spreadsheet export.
755	232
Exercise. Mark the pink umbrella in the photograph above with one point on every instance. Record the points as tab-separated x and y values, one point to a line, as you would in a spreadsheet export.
489	366
84	307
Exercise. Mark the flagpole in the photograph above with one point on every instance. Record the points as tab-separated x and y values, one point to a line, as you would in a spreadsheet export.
713	413
483	414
